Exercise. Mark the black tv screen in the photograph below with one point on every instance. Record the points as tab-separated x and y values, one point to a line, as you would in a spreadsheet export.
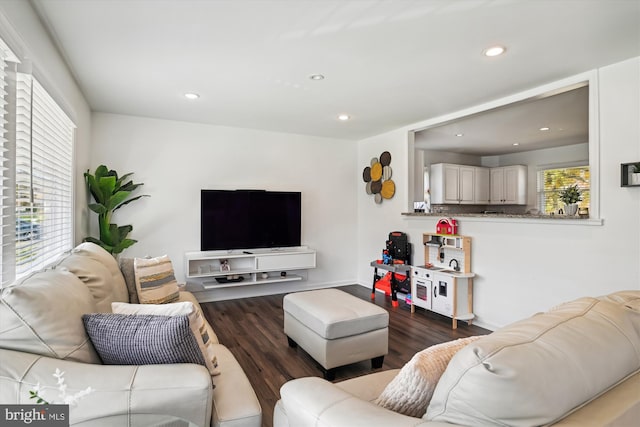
249	219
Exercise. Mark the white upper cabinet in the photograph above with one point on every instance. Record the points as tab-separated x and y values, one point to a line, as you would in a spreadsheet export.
508	185
482	191
452	184
473	185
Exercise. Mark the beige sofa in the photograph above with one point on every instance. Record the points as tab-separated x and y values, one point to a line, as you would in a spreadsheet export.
41	330
576	365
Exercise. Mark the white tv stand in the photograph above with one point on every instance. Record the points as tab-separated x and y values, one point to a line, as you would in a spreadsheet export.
256	266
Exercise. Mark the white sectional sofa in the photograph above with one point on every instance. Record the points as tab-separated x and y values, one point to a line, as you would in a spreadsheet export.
41	330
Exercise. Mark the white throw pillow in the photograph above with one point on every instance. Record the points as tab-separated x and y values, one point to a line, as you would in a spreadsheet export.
410	392
196	322
155	281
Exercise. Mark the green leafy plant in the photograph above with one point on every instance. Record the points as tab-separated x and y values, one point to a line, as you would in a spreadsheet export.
570	195
110	193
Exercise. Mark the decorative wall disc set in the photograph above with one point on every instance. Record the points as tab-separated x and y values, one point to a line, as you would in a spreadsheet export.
377	177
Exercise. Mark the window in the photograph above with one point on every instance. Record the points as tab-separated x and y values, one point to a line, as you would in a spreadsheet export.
37	202
552	181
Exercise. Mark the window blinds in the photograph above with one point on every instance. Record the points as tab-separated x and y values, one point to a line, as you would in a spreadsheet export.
7	232
43	180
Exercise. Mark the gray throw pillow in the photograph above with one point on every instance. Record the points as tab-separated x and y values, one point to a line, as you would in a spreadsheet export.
121	339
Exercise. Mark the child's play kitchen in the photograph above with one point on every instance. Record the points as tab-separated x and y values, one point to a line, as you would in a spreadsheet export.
444	284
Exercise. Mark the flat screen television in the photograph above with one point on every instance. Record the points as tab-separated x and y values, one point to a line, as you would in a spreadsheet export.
249	219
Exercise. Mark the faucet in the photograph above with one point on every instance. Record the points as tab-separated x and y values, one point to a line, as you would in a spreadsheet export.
457	267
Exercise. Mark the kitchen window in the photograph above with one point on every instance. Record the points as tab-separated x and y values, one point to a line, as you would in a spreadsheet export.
37	173
552	180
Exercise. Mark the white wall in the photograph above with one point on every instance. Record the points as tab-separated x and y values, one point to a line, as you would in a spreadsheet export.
175	160
22	30
524	268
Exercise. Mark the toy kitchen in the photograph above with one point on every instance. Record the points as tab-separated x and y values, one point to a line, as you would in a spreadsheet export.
445	283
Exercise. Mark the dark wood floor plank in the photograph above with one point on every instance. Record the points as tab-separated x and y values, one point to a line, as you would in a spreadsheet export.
252	329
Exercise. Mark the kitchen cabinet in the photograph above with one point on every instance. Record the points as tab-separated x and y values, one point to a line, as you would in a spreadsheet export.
452	184
482	195
508	185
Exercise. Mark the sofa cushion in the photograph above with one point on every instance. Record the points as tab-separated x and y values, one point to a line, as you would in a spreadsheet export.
188	296
410	392
99	271
122	339
155	281
42	314
129	274
197	323
538	370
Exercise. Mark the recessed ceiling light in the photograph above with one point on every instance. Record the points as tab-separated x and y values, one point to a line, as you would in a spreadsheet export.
344	117
191	95
516	144
494	51
544	128
459	134
316	77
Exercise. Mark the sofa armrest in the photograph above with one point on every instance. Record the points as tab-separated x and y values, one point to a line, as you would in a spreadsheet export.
176	390
314	401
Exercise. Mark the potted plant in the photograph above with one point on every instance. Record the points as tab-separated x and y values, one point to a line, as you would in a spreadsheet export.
110	192
570	196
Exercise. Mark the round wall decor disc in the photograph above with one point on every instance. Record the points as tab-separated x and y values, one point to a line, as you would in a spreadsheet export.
388	189
377	198
376	186
373	161
366	174
367	188
386	172
376	172
385	158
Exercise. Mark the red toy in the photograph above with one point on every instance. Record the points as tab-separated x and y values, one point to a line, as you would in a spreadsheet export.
447	226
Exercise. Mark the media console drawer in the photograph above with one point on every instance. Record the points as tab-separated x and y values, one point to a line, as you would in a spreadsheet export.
285	261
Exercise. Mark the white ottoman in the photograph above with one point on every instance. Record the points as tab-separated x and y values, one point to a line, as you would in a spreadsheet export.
336	328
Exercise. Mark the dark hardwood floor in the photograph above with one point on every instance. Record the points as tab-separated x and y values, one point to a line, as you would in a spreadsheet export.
252	328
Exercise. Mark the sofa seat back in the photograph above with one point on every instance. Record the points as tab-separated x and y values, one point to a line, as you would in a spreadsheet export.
42	314
536	371
99	271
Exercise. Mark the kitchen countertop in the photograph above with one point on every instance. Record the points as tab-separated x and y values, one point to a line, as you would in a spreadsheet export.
494	215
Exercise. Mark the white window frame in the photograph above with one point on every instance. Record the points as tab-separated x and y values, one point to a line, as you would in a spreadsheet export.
38	156
539	176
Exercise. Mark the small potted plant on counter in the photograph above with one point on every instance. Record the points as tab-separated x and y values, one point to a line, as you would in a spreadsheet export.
570	196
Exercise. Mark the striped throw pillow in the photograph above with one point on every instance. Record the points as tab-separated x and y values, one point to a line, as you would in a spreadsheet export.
197	323
155	281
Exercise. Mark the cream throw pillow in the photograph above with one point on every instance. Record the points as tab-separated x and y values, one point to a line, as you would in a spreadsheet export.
410	392
155	281
196	322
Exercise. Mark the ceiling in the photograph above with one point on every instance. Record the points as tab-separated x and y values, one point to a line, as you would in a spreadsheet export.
534	124
387	64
